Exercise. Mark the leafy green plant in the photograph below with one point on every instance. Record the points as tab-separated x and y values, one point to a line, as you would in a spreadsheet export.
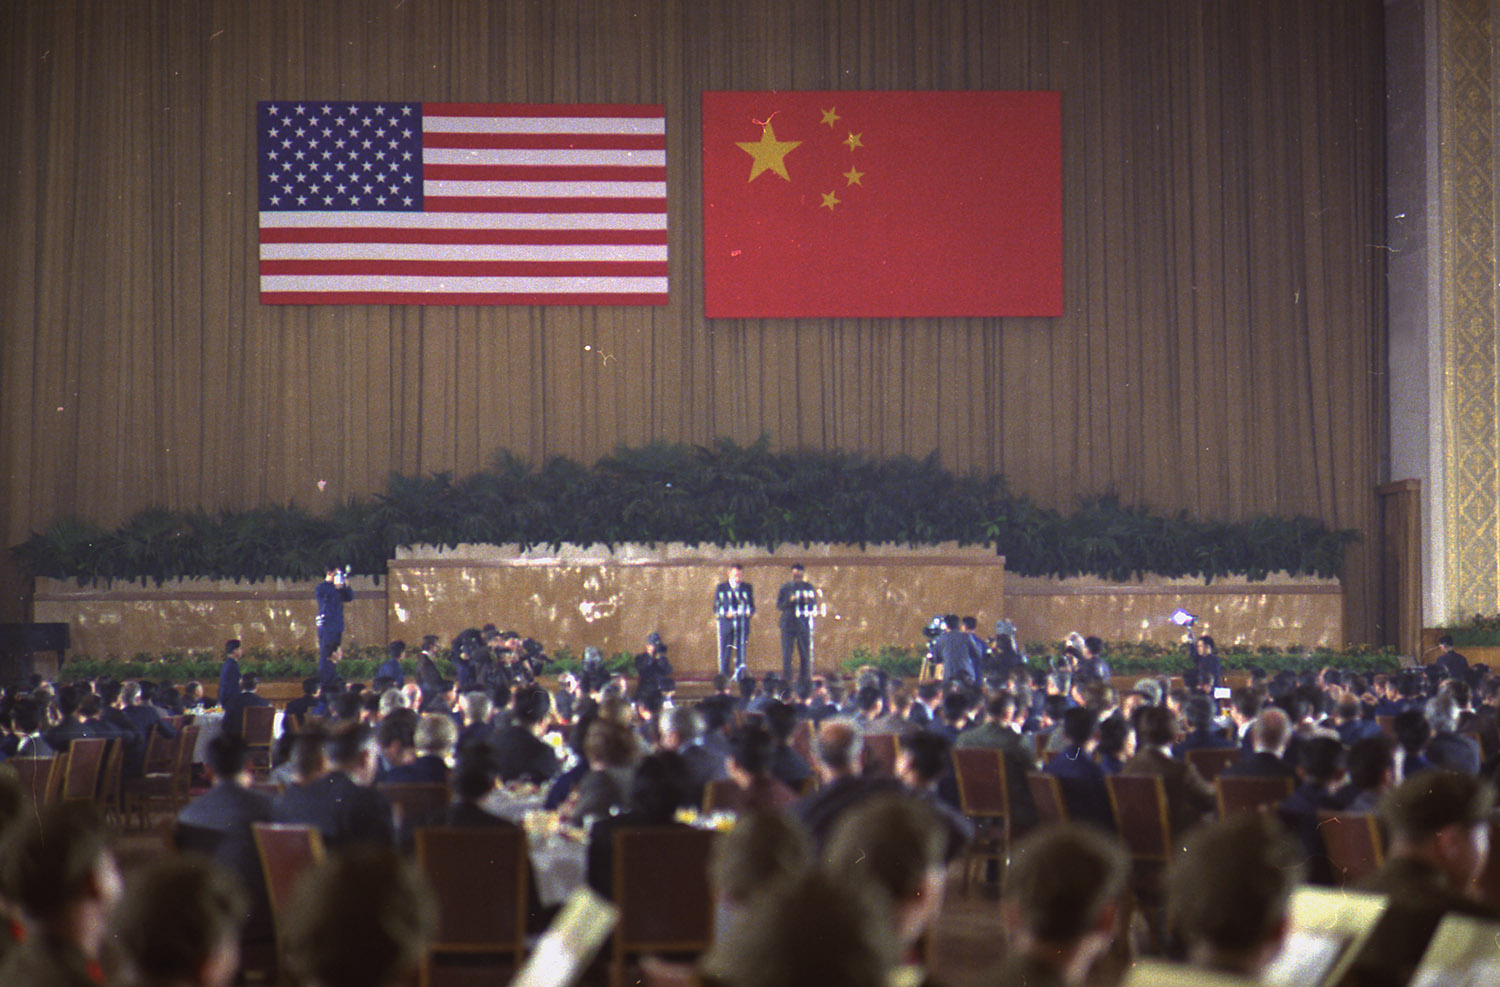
724	494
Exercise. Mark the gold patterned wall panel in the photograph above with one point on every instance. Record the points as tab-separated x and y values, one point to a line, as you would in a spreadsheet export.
1471	460
1281	611
122	619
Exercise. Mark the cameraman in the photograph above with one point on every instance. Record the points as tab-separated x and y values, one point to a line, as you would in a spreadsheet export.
332	593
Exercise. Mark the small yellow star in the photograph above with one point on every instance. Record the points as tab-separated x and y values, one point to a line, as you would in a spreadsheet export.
829	117
853	141
854	175
768	153
829	201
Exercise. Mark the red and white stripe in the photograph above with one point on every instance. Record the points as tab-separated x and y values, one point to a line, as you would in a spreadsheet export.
523	205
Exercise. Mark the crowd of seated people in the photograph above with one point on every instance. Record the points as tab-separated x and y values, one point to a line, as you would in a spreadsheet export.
607	754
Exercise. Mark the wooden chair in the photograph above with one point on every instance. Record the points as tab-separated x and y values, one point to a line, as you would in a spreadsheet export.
1046	792
287	851
259	723
1210	761
1140	806
41	777
111	782
661	889
161	752
1246	793
984	798
1352	843
880	753
479	877
720	795
415	802
85	764
168	790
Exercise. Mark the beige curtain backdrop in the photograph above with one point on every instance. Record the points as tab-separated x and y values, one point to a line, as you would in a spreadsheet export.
1221	352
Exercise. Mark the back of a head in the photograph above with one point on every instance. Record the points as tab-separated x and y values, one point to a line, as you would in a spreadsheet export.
436	734
1427	803
751	747
476	772
814	931
1228	890
177	912
227	754
1369	759
838	744
1412	730
928	754
360	919
891	840
1322	759
659	785
686	723
50	857
1271	728
1062	878
1157	726
1442	713
1078	725
760	852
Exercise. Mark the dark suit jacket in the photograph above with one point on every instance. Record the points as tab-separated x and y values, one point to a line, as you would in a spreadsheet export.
1262	765
821	810
227	810
344	812
234	710
1083	789
427	769
523	756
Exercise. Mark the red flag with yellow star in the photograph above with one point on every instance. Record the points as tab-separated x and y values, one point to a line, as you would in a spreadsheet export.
882	204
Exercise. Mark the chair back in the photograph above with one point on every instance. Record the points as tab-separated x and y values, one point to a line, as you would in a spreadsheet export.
258	724
1352	844
414	802
1210	760
287	851
85	763
721	795
661	888
1140	807
111	778
37	774
1247	793
1046	792
479	877
982	788
880	753
161	752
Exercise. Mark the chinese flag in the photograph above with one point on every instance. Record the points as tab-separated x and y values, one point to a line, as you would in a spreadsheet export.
882	204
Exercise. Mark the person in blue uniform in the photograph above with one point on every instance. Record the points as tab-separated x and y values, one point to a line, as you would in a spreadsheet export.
798	602
229	671
734	605
332	593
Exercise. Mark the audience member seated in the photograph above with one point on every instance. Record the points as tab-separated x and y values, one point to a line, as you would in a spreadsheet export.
360	919
837	746
1189	798
657	790
178	924
1412	733
1319	774
57	868
523	755
1061	906
1001	731
235	705
1269	737
1079	775
1228	892
477	709
434	738
683	732
754	789
1116	744
1448	749
395	742
1371	772
812	931
227	811
341	802
924	763
310	703
1438	826
1202	732
900	845
609	750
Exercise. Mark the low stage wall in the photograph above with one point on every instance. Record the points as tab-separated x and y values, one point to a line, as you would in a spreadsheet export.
577	597
612	599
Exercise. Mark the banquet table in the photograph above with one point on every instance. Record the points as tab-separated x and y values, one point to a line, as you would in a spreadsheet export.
559	857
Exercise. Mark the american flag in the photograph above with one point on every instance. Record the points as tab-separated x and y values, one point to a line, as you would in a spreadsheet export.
462	204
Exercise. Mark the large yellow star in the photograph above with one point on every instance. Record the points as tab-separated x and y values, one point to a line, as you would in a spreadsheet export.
854	175
768	153
829	201
853	140
830	117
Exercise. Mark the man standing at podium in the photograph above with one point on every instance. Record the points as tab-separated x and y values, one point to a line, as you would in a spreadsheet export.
798	602
734	605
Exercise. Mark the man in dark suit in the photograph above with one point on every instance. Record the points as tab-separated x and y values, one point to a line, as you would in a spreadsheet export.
734	605
837	746
309	702
217	823
435	738
1078	774
234	709
391	667
229	671
341	803
1453	663
682	731
1270	733
522	753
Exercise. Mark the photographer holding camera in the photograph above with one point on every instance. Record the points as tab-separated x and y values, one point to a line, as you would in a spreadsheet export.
332	593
